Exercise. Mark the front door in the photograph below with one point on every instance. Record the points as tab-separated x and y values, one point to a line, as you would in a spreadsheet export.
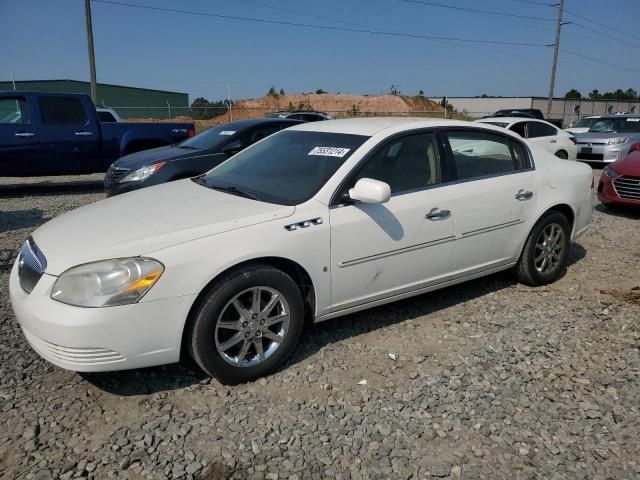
495	194
381	250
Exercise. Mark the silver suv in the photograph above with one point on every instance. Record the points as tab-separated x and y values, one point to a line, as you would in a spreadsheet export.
609	139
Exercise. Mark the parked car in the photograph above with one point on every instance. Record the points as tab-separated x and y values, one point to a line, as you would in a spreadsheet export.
609	139
108	115
60	134
582	125
526	113
549	137
192	157
620	182
317	221
306	115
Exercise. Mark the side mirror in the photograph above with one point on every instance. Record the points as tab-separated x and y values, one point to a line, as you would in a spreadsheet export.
368	190
232	148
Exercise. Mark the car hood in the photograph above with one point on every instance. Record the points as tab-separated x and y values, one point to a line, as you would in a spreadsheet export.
162	154
629	165
147	220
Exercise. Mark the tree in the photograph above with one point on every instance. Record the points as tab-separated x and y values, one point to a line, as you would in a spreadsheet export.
203	109
320	92
631	94
573	94
421	93
272	92
282	92
394	90
595	94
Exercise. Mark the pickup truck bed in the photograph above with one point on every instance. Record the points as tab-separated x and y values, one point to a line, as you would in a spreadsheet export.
59	134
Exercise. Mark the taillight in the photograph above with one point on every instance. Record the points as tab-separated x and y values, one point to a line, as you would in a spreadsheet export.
191	132
573	139
635	148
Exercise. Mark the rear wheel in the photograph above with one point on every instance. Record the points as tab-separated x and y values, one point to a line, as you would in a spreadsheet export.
562	154
545	252
247	325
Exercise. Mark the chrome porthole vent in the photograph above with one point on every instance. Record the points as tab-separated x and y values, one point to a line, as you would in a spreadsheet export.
303	224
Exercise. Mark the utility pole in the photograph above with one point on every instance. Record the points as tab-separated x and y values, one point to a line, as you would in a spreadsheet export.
92	57
556	47
229	101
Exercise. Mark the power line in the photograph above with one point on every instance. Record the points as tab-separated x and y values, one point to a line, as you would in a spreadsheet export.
543	4
598	32
322	27
575	54
475	10
601	24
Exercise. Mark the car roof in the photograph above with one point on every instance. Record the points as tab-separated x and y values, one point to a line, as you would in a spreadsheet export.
510	120
373	125
253	122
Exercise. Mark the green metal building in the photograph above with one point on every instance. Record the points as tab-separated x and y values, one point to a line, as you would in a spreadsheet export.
129	102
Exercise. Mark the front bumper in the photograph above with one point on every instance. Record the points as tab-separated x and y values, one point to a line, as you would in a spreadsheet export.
99	339
608	194
588	152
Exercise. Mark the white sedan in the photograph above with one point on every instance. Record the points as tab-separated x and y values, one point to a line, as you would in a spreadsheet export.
559	142
318	221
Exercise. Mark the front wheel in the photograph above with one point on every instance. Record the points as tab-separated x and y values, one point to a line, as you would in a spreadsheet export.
545	252
247	325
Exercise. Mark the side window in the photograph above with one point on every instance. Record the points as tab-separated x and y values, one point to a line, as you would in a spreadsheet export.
261	133
407	163
519	129
538	129
520	155
14	111
477	154
106	117
62	111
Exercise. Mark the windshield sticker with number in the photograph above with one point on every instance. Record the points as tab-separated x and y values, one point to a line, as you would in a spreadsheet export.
227	132
329	151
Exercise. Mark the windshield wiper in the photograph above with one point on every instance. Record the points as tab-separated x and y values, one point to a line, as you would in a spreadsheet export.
225	188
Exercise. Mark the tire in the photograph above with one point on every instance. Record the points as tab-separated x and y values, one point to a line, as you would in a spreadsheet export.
217	322
533	273
562	154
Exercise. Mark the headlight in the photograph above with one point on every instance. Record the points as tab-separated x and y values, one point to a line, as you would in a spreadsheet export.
617	141
609	172
143	173
107	283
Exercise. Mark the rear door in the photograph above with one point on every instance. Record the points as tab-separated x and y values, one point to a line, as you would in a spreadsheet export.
544	135
70	134
19	140
495	193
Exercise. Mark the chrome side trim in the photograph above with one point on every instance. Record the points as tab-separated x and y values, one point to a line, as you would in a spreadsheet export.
491	229
390	253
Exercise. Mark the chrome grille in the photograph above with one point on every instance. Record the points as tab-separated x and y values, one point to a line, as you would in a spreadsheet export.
628	187
114	174
31	265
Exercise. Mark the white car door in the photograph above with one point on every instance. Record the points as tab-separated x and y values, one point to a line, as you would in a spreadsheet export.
494	196
381	250
544	135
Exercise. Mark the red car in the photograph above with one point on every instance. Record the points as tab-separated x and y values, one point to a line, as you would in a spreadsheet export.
620	182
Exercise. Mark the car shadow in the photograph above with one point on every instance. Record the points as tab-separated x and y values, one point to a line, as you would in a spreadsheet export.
47	187
18	219
621	211
185	374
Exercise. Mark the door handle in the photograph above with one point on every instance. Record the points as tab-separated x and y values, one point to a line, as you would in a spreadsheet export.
437	214
523	195
83	134
24	134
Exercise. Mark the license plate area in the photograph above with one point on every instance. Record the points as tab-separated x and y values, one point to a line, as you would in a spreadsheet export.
586	150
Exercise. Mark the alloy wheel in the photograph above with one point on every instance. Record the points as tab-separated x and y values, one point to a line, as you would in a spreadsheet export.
252	326
549	248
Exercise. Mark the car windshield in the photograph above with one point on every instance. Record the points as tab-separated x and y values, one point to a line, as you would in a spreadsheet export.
276	115
287	168
213	137
497	124
614	125
585	123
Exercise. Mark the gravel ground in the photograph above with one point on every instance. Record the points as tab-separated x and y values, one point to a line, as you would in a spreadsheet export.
489	379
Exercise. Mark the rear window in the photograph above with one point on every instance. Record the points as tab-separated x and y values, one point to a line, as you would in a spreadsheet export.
62	111
106	117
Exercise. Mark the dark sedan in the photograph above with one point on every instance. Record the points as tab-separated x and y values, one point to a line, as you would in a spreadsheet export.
192	157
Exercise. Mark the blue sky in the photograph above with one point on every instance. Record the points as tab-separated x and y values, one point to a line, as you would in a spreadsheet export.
45	39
